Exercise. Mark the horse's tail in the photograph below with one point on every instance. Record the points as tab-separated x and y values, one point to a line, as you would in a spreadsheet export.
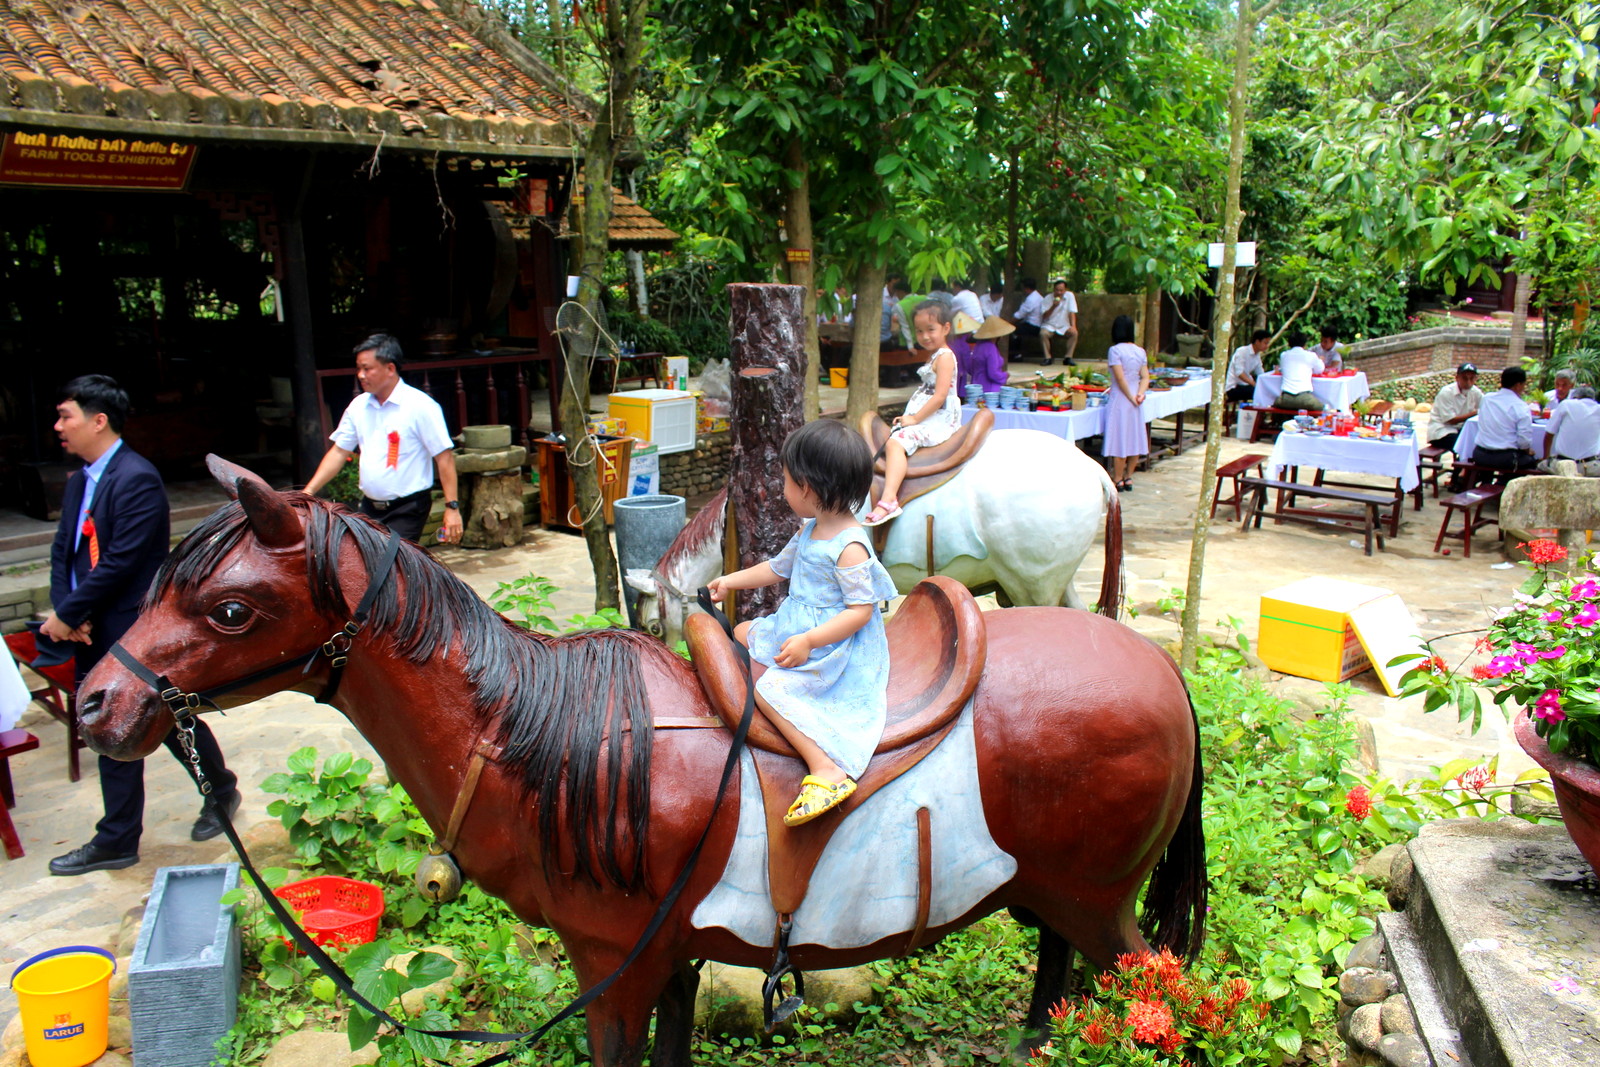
1111	577
1175	899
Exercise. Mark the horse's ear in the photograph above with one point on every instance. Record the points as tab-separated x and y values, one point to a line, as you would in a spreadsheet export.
640	581
271	518
230	474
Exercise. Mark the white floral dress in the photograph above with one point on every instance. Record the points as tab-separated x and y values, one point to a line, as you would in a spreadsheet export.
840	696
936	428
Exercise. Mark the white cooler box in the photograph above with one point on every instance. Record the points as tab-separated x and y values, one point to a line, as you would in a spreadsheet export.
664	417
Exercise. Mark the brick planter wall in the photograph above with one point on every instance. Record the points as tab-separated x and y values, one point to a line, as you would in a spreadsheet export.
1442	348
702	469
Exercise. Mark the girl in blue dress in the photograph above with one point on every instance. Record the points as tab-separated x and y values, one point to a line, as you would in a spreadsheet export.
826	687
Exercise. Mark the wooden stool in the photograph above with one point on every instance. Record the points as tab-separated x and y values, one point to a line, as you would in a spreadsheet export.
54	689
12	742
1470	503
1430	464
1235	471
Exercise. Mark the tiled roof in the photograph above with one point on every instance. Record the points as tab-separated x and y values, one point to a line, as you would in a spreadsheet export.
423	73
632	227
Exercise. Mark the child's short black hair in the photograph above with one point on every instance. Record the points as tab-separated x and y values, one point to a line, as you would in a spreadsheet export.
943	310
832	461
96	394
1122	331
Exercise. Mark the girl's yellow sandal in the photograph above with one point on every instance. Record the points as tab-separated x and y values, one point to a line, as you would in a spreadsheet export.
816	797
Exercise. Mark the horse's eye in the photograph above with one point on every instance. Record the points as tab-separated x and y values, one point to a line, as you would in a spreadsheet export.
654	628
230	615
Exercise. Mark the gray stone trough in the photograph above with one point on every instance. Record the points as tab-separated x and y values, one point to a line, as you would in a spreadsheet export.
183	980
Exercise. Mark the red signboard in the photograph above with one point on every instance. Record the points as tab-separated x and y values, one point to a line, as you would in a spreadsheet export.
82	161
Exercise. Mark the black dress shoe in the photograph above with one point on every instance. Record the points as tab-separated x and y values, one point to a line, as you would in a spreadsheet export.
209	824
92	857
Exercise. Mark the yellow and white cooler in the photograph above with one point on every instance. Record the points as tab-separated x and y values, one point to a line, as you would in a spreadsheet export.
1306	629
664	417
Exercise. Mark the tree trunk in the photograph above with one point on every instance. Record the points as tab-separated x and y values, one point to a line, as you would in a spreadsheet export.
310	444
491	505
864	330
1152	318
620	35
767	354
1013	236
1222	327
1519	328
797	222
1036	261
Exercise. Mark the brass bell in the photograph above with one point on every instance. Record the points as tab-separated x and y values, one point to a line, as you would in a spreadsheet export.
438	877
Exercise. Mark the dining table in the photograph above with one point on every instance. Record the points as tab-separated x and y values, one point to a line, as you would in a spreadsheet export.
1392	457
1338	391
1073	425
1468	439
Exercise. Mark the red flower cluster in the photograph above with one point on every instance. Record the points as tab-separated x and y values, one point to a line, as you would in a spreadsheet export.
1436	665
1543	551
1358	802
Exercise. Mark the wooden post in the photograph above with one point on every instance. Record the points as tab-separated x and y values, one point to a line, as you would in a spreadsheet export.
769	368
310	444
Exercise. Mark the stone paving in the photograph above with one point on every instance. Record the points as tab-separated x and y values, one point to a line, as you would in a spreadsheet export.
1444	593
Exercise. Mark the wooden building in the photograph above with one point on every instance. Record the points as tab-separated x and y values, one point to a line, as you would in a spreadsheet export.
213	201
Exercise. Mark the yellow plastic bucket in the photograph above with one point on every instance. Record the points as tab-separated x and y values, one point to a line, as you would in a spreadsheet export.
65	999
839	377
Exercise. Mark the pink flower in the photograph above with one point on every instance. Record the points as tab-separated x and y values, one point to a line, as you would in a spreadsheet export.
1548	706
1554	615
1564	984
1588	616
1588	589
1502	665
1475	778
1555	652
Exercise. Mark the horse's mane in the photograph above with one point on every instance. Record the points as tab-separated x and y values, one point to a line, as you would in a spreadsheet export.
706	526
556	698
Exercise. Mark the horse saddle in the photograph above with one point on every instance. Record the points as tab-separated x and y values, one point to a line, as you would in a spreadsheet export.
928	468
937	648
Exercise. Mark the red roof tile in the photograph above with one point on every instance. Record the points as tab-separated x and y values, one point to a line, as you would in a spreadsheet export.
431	70
632	227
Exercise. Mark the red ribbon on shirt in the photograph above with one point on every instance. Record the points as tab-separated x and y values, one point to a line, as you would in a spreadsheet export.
94	541
394	448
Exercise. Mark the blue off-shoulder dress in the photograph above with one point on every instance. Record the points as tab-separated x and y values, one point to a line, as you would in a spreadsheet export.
838	697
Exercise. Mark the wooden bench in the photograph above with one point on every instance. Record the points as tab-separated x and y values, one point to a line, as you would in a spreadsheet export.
12	742
1430	464
55	688
1264	420
1470	503
1367	516
1235	471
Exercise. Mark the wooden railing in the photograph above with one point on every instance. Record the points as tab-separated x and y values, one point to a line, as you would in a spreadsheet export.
466	389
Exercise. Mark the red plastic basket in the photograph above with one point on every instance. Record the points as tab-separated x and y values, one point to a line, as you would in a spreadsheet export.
336	912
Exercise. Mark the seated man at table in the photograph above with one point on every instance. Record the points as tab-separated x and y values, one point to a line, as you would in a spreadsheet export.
1505	427
1565	379
1298	365
1575	432
1455	404
1244	367
1330	351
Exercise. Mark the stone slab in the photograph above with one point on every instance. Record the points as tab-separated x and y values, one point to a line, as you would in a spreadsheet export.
471	462
1506	915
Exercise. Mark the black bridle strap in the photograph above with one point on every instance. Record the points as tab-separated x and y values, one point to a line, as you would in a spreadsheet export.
527	1037
336	648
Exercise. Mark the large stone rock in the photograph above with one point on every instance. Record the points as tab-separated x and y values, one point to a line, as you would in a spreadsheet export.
486	438
1567	505
1362	1029
729	999
1403	1050
1401	872
1364	985
470	462
12	1038
318	1048
1397	1016
414	1000
1376	868
113	1058
1367	953
268	844
119	1032
14	1057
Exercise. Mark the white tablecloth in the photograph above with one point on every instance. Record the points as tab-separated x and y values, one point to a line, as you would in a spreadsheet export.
1162	403
1338	393
1352	455
1073	425
1469	438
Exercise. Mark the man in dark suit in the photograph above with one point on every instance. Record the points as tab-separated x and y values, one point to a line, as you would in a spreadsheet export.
114	533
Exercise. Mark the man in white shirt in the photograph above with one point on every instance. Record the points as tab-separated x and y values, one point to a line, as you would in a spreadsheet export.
401	435
1330	351
1058	324
1455	404
1027	319
1575	432
1244	367
1565	379
991	302
1297	365
1505	427
964	299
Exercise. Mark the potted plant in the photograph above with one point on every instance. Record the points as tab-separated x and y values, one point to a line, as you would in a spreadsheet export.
1543	666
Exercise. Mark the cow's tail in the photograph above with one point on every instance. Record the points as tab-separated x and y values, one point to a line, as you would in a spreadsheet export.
1111	579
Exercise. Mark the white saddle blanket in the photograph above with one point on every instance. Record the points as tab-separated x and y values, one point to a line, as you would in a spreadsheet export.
864	887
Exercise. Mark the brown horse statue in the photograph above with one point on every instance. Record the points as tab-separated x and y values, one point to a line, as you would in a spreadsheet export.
593	792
